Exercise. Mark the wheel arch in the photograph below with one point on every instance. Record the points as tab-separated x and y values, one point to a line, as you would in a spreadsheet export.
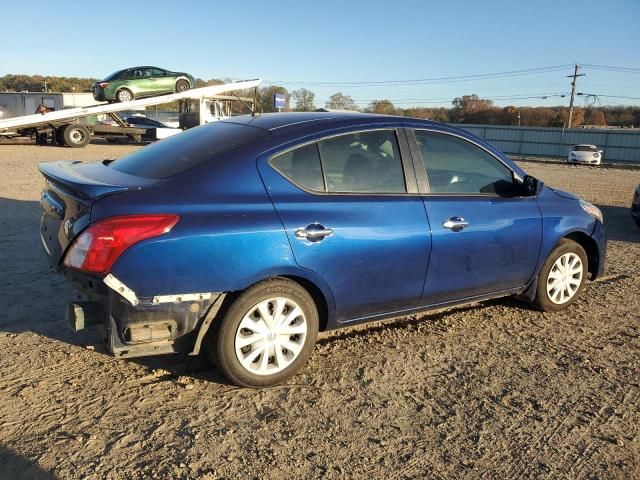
590	247
182	77
318	298
124	87
312	283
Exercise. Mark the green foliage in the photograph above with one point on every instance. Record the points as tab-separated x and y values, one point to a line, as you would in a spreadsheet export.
36	83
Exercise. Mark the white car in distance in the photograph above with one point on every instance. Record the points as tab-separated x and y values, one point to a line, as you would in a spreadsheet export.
584	153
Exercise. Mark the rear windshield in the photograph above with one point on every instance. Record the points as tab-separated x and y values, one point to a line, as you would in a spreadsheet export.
584	148
186	150
114	75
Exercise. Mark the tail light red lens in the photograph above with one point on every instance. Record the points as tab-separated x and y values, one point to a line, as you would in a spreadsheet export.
103	84
100	245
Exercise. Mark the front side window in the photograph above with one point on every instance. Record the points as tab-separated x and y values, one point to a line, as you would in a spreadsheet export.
302	166
363	162
454	165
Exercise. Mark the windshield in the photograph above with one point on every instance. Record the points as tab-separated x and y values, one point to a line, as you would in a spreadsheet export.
584	148
186	150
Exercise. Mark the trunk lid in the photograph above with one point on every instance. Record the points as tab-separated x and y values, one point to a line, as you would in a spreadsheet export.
69	192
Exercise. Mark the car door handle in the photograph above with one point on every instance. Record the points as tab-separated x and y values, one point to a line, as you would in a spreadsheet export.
455	224
313	232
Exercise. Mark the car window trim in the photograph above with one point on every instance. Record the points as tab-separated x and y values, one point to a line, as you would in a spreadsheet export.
424	179
399	138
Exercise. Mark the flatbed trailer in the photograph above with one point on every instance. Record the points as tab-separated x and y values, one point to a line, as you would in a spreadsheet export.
64	127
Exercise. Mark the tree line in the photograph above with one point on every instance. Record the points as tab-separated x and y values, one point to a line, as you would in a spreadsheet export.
464	109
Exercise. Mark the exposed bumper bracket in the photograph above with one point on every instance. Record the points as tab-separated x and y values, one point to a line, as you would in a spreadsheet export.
116	285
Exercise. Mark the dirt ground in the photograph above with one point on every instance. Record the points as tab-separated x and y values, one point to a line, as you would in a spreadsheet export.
492	390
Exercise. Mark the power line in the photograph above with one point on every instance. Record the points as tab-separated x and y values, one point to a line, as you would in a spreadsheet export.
422	81
612	68
418	101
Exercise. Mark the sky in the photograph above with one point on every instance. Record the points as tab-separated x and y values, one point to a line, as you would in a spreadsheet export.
329	46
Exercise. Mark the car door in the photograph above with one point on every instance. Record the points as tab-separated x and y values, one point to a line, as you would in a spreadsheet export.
138	81
160	82
486	236
353	218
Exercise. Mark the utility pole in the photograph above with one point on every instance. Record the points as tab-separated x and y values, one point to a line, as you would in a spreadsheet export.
573	91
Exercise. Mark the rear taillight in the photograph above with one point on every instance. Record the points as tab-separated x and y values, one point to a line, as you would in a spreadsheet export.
103	84
100	245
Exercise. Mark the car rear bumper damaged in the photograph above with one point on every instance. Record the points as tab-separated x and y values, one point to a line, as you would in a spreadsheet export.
140	326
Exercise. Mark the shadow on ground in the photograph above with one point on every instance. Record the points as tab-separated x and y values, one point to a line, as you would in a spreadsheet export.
17	467
619	224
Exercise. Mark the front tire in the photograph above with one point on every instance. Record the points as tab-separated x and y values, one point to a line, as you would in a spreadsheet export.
266	335
562	276
182	86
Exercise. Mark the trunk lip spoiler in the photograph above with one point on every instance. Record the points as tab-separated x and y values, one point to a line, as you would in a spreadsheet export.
79	182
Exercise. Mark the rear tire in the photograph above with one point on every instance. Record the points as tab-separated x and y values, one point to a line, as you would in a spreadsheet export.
182	86
266	335
76	136
124	95
562	276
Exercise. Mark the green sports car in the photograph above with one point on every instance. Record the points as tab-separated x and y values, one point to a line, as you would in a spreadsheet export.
137	82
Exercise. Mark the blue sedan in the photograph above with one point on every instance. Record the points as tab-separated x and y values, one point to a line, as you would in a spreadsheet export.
250	235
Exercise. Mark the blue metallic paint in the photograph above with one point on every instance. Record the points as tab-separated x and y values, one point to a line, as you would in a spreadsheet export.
380	260
563	216
498	250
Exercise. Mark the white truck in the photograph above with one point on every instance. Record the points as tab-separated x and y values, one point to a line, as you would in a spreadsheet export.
64	127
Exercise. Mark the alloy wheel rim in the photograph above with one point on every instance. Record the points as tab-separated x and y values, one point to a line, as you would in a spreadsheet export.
271	336
124	96
564	278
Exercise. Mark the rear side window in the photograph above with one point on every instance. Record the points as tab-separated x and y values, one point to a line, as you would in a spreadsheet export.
363	162
454	165
186	150
302	166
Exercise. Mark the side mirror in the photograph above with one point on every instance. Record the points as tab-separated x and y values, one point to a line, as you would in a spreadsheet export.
531	186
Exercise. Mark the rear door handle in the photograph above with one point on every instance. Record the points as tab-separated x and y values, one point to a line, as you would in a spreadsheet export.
455	224
314	232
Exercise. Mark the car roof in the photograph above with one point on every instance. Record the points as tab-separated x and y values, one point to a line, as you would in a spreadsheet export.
584	145
275	121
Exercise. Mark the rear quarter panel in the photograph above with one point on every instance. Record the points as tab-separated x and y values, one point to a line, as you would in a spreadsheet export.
228	238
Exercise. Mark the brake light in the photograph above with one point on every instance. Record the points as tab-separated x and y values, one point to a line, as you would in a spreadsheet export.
100	245
103	84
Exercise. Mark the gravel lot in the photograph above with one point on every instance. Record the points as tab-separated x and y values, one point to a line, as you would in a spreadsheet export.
492	390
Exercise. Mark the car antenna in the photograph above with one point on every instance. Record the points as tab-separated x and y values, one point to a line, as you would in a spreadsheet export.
251	109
